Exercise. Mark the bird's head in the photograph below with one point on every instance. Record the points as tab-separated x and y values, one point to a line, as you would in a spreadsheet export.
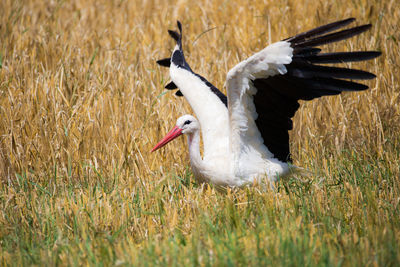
187	124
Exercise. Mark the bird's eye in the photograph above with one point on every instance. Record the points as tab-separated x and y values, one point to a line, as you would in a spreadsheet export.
187	122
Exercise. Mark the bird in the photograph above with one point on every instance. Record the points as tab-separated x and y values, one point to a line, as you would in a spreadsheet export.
246	132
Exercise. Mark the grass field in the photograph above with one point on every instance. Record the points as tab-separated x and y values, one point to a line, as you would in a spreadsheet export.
82	103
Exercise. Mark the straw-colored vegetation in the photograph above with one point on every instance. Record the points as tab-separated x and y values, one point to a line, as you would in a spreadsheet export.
82	103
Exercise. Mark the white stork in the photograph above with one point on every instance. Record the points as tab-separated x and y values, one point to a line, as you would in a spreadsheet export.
245	135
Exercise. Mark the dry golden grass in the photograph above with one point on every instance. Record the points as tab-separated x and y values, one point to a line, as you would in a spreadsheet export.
82	103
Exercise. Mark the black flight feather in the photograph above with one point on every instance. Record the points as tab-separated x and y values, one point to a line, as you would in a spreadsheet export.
179	26
306	51
174	35
320	30
340	57
305	70
171	86
165	62
333	37
277	97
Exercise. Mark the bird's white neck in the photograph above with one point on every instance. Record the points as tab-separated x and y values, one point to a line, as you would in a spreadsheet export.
196	160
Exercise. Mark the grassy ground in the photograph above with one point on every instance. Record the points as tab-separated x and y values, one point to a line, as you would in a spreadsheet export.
82	103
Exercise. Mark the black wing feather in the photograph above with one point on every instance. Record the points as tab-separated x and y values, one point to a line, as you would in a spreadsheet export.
174	35
171	86
320	30
277	97
165	62
338	57
333	37
303	69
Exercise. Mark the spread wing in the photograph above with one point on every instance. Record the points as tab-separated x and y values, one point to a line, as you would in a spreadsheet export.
264	90
207	102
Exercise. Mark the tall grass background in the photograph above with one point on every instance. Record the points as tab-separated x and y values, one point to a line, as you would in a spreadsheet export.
82	103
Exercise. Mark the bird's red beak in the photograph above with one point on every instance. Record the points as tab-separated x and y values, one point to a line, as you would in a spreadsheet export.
174	133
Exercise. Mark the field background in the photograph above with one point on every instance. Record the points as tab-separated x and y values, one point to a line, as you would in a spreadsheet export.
82	103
